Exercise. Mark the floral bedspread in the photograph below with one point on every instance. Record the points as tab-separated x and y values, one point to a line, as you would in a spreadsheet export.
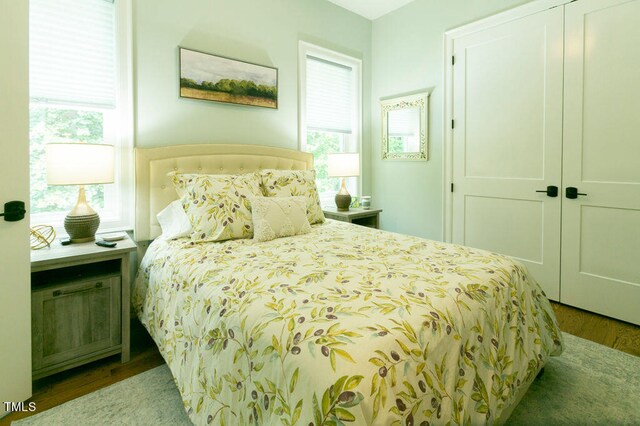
344	325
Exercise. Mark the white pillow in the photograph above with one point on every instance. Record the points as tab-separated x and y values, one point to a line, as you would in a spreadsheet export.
276	217
174	222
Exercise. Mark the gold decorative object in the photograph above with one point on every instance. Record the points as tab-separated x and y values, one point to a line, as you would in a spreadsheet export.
42	236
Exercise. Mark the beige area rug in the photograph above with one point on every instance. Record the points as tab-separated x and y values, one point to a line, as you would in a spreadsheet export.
589	384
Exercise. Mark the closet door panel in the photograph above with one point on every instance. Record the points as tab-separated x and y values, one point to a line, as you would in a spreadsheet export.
601	230
507	142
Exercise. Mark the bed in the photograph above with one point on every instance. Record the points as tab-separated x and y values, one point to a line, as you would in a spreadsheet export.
342	325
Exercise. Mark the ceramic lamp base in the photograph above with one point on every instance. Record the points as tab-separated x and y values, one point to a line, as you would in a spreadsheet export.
343	202
82	229
343	198
82	222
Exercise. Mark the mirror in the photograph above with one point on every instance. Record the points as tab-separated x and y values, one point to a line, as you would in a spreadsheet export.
404	127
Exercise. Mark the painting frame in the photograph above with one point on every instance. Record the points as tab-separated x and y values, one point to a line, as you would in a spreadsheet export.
215	78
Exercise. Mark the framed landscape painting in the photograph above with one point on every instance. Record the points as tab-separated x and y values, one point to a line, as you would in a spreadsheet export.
216	78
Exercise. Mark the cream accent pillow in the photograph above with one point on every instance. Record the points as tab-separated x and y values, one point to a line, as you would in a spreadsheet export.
288	183
217	206
276	217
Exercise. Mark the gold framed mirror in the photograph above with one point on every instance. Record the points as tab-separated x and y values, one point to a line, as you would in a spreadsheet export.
405	127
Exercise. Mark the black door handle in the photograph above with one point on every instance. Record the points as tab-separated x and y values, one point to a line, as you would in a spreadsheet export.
572	192
552	191
13	211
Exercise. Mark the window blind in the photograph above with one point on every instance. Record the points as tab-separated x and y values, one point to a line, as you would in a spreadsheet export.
72	57
330	96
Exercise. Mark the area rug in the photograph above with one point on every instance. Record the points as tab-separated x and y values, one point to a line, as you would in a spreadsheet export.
589	384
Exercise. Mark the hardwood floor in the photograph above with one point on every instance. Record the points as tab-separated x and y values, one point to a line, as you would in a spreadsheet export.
67	385
597	328
62	387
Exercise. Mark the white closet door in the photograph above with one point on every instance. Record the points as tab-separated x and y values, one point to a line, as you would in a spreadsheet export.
601	230
507	142
15	280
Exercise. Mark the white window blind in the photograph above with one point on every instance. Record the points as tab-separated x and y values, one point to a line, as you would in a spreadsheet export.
330	96
72	57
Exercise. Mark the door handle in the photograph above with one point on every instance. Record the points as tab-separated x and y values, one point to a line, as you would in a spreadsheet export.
572	192
57	293
552	191
13	211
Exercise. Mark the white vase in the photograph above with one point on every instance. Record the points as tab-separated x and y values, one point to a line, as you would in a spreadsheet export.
365	202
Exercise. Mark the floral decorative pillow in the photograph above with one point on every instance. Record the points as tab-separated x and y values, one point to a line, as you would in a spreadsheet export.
277	217
217	206
291	183
181	181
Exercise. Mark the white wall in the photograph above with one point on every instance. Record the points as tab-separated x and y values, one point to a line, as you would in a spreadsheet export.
259	31
407	49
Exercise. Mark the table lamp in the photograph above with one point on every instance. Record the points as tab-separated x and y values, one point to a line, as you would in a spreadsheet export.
343	165
80	164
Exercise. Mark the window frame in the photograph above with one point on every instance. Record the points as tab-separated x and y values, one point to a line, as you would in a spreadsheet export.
121	217
307	49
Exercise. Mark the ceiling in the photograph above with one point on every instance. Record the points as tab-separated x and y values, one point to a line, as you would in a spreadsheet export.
371	9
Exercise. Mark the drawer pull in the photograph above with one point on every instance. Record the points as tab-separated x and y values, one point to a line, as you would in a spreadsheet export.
57	293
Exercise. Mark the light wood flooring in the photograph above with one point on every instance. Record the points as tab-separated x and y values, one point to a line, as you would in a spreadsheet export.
62	387
597	328
67	385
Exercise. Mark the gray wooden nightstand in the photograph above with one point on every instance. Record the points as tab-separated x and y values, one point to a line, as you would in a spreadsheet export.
80	298
357	216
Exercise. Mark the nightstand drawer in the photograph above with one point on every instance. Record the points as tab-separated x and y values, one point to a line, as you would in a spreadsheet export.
74	321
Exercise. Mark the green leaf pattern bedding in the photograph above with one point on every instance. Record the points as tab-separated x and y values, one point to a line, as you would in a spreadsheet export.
344	325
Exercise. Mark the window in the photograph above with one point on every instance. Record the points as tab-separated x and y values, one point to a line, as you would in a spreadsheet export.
330	112
79	80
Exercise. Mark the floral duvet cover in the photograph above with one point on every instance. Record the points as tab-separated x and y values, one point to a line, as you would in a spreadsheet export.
344	325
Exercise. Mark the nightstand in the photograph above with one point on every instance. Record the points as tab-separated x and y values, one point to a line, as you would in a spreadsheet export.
369	217
80	297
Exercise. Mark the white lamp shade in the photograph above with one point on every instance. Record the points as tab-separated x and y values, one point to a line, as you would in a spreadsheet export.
344	165
79	163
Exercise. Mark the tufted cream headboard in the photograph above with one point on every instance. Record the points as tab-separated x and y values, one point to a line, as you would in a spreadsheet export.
154	190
